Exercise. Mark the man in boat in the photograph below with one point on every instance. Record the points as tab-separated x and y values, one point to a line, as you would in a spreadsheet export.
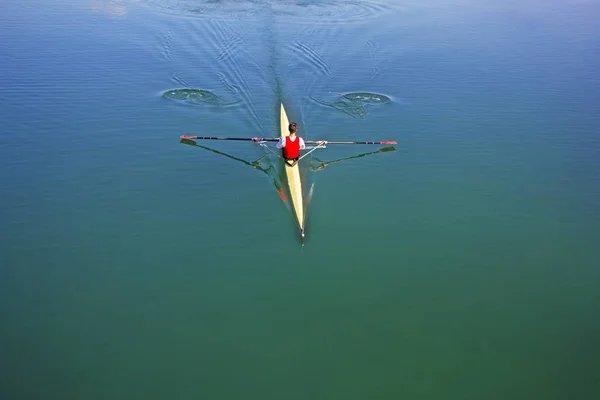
291	145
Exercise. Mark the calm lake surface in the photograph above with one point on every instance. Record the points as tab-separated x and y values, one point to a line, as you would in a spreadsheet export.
463	265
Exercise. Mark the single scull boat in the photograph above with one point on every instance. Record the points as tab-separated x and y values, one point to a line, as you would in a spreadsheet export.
292	172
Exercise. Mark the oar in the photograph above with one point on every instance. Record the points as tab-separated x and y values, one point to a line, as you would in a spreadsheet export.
255	139
327	142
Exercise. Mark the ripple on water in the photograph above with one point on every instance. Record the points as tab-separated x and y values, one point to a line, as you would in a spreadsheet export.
321	11
354	103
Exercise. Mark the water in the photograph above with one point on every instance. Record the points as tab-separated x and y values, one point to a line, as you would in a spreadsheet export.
462	265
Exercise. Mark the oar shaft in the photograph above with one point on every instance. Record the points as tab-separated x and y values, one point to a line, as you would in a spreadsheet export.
254	139
327	142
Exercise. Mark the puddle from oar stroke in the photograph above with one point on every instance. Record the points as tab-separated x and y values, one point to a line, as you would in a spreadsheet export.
365	97
321	11
354	104
196	97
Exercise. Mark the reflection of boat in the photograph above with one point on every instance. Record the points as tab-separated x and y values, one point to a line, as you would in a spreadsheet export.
293	173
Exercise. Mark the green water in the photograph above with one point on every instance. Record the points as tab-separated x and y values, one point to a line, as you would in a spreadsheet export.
463	265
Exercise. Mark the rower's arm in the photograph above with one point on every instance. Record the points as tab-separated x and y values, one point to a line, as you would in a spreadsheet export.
281	143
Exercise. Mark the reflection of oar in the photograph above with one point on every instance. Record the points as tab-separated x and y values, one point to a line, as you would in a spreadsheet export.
255	139
251	164
254	164
323	164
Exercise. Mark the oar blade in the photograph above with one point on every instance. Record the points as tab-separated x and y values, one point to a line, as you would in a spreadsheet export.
189	142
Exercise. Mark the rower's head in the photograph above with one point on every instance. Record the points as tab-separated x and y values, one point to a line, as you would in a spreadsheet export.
293	128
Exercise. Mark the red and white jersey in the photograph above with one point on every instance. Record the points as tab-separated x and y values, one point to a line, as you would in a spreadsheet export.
291	147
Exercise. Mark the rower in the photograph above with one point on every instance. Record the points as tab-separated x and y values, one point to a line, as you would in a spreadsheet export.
291	145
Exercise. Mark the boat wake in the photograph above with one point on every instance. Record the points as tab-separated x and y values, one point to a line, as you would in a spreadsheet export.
299	11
